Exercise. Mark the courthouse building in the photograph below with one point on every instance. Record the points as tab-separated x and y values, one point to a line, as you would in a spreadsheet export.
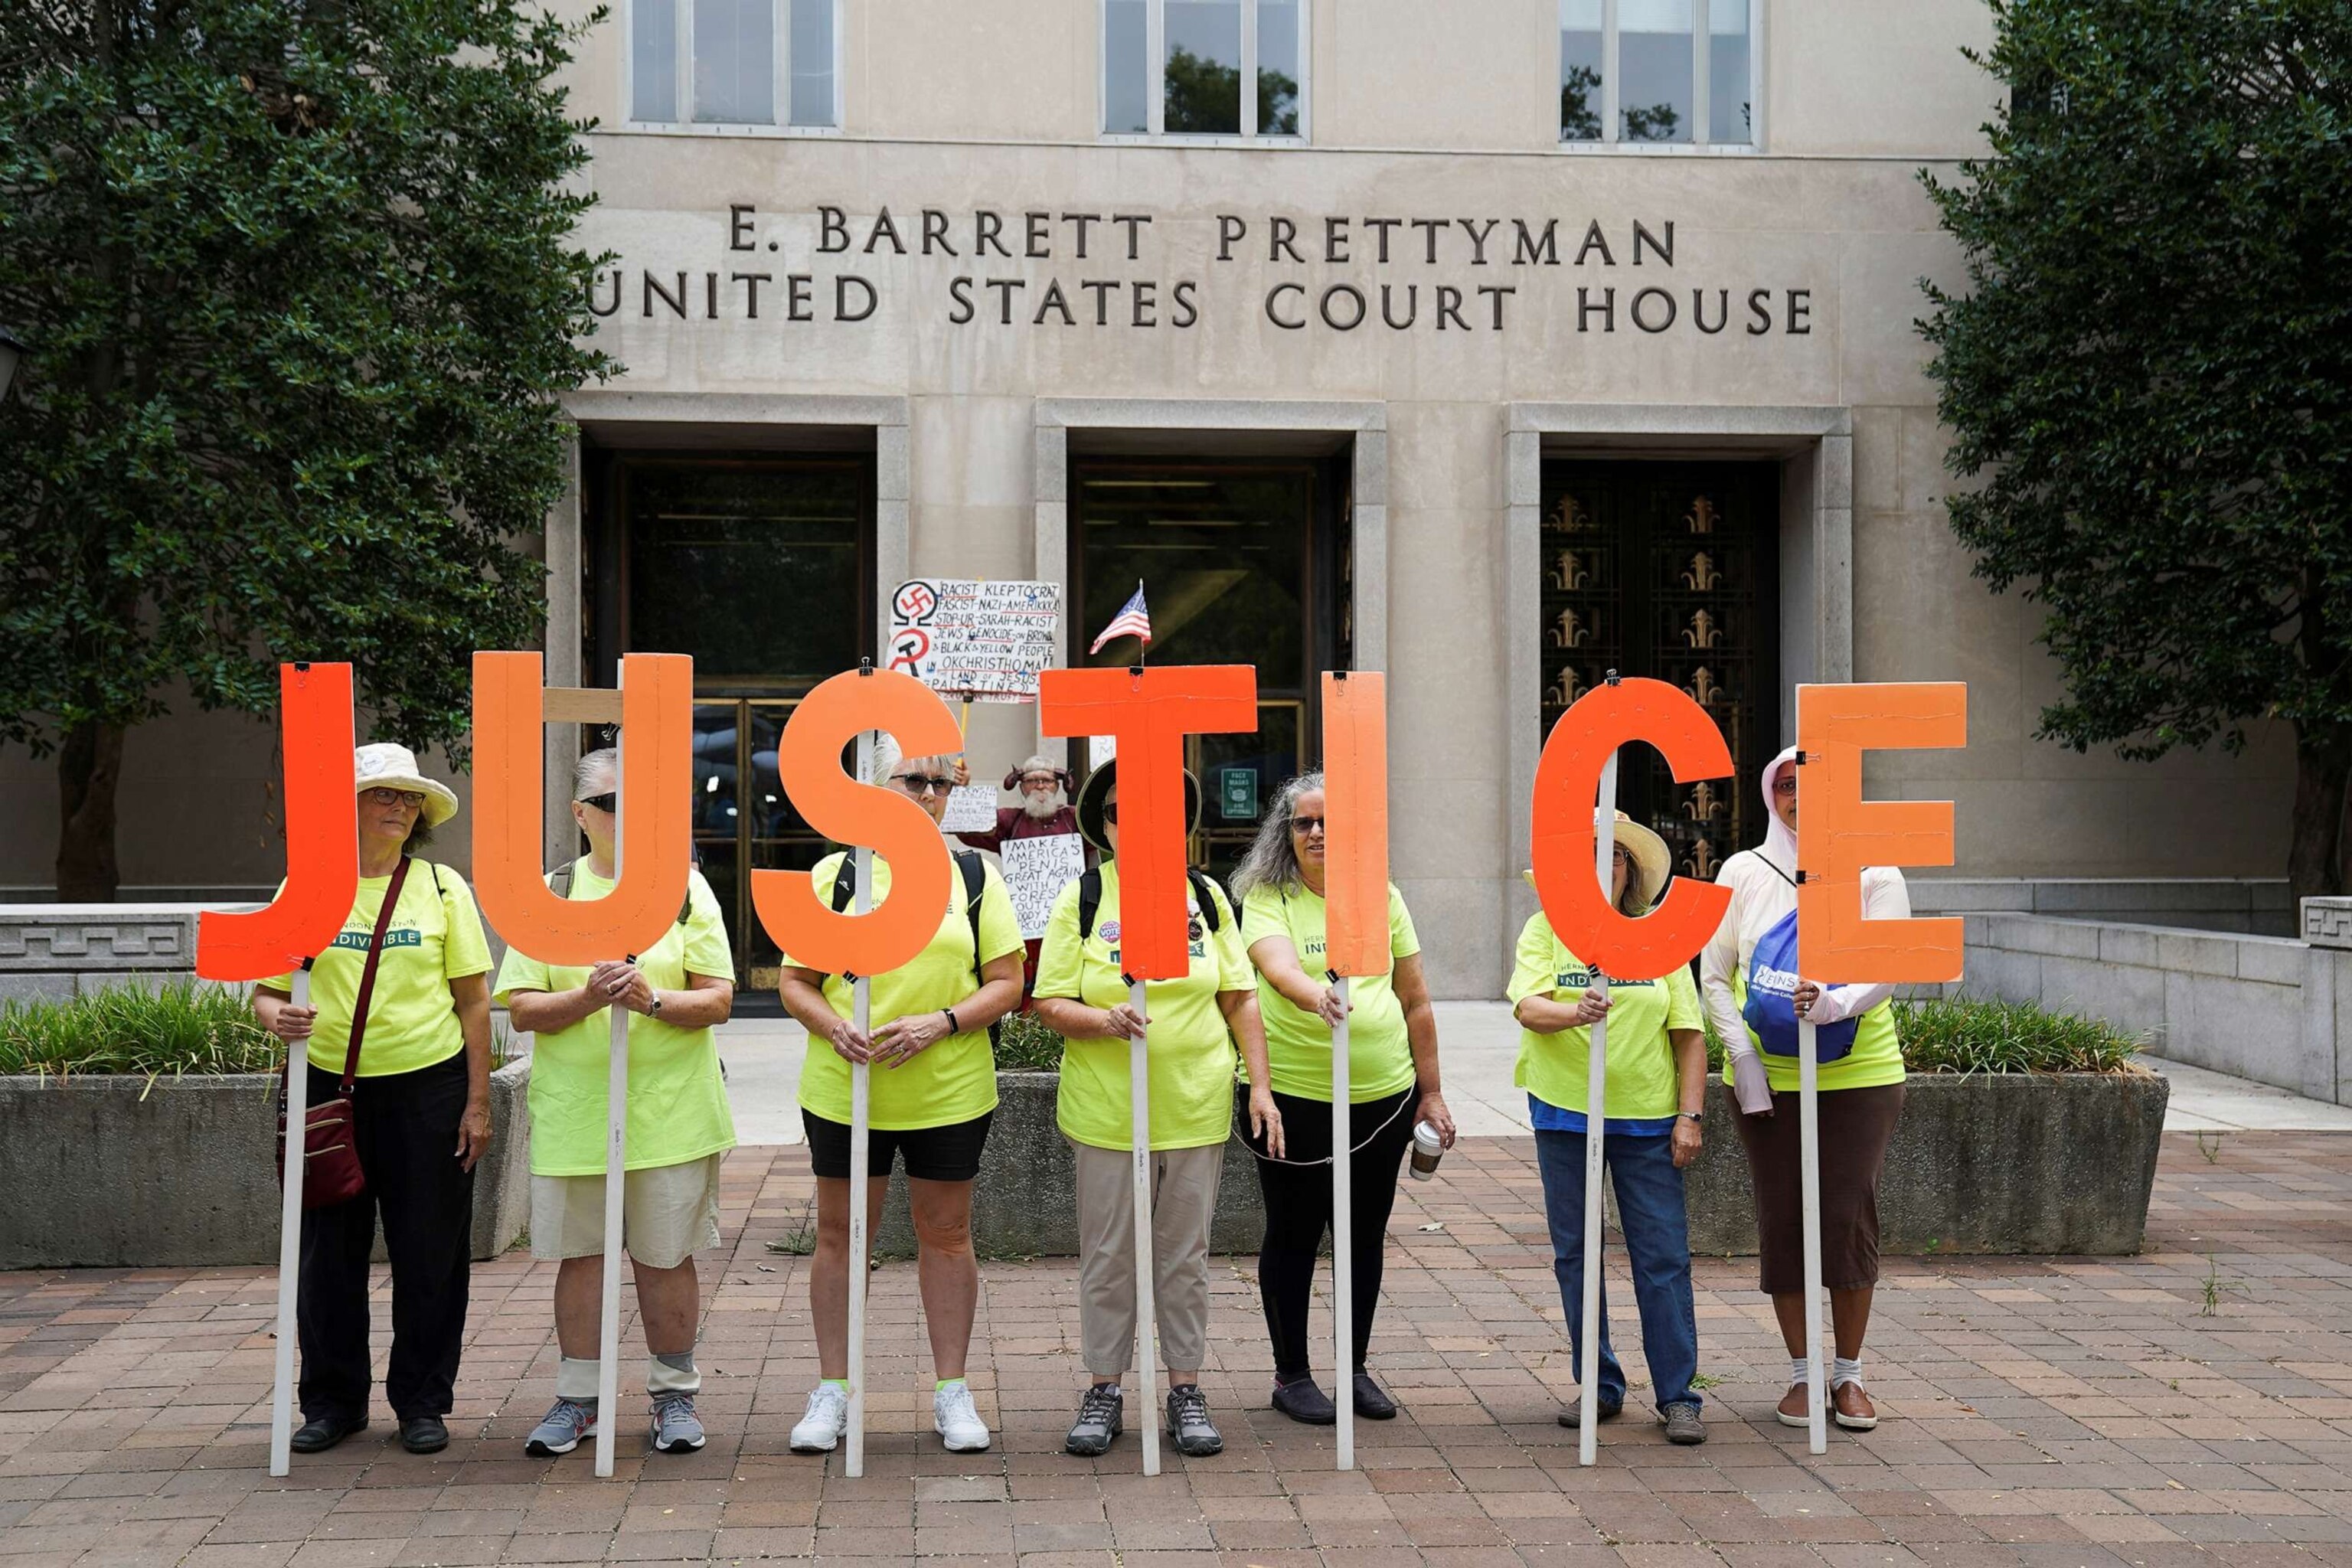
1491	344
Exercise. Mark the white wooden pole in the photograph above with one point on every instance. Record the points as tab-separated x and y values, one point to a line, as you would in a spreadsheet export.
1596	1126
1343	1242
1809	1133
617	1159
861	1111
289	1241
1147	1321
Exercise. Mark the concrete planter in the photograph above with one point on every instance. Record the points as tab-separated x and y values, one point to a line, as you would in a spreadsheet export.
108	1171
2036	1162
2058	1163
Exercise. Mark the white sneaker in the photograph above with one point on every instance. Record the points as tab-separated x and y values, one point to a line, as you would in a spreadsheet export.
827	1418
957	1423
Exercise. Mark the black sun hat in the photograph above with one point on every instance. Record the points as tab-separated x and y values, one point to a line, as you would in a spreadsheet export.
1094	795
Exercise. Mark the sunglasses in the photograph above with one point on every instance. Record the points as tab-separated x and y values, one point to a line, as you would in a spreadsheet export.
1306	825
604	803
923	784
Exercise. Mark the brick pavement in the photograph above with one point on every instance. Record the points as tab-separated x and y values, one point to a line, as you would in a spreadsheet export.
2055	1412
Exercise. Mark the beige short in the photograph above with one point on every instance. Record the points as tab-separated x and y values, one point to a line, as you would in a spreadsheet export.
668	1213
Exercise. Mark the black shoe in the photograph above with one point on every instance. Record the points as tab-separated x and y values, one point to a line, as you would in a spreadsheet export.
1303	1401
423	1433
1372	1402
1573	1414
318	1435
1101	1418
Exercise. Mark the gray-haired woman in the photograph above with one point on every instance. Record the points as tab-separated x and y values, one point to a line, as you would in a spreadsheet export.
1392	1079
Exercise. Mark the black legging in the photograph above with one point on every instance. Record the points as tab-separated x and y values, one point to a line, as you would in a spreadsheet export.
1298	1214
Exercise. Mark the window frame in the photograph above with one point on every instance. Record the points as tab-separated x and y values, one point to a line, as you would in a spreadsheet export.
1702	12
1155	45
683	45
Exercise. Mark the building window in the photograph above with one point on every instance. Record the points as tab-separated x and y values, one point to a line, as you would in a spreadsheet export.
1204	67
1633	71
735	63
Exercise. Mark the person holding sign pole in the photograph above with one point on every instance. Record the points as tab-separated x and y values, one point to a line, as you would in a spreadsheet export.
1196	1025
399	1022
679	1127
1756	998
1656	1087
1393	1082
934	1091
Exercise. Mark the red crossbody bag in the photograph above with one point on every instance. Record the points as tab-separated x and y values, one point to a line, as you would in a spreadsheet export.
330	1160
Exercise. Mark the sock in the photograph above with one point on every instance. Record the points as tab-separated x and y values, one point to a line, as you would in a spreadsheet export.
673	1373
840	1382
1799	1369
1843	1371
575	1379
943	1384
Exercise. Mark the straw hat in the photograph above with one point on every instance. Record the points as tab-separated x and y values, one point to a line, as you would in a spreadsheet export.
1096	793
387	766
1652	861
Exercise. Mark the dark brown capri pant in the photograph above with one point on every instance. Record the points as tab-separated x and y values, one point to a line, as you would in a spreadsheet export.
1857	1126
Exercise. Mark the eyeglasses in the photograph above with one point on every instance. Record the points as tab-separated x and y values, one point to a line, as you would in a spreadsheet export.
1306	825
923	784
1041	781
1111	812
413	799
1620	858
1785	785
604	803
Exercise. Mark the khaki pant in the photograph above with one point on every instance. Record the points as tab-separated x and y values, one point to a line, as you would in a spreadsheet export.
1184	1201
668	1213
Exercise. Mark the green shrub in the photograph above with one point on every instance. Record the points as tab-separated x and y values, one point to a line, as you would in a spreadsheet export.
1025	1044
1966	1034
183	1027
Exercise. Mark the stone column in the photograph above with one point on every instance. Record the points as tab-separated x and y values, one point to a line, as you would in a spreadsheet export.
2327	999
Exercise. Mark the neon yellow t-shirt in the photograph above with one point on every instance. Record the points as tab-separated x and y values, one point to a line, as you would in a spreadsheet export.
954	1081
411	1019
1875	1060
678	1103
1297	1044
1191	1050
1642	1084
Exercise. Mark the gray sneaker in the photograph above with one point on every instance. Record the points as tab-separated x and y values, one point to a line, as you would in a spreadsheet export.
1684	1426
559	1431
1101	1418
677	1428
1188	1423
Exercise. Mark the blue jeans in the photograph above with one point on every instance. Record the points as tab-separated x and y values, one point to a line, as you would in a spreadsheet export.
1657	1241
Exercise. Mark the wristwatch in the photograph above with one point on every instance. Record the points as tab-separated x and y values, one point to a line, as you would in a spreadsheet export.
1692	1114
655	1010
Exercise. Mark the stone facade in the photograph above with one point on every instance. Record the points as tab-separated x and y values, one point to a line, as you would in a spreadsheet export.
59	951
972	379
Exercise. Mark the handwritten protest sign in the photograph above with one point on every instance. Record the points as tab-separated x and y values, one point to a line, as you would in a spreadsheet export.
971	808
1035	871
969	638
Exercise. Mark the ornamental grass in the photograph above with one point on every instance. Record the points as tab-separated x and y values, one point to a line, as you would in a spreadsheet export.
1968	1034
182	1028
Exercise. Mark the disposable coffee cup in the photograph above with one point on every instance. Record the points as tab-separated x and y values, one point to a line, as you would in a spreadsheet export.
1428	1149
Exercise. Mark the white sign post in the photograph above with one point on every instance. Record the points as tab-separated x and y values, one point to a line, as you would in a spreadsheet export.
984	641
290	1238
1343	1244
1147	1322
1596	1126
1809	1133
861	1110
617	1156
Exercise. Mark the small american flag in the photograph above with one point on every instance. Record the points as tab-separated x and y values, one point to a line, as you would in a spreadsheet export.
1132	620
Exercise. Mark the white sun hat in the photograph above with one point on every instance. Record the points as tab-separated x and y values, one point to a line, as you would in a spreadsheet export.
386	766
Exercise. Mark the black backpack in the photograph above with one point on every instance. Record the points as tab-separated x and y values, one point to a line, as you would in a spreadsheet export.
1091	900
975	883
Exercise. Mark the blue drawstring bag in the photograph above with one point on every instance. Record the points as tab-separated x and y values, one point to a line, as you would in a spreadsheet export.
1771	981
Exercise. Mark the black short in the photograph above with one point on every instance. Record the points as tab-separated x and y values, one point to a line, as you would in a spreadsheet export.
949	1153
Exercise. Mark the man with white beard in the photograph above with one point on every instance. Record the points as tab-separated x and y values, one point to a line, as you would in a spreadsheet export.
1044	811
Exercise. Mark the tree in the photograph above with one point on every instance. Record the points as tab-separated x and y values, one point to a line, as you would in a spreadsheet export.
299	294
2150	371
